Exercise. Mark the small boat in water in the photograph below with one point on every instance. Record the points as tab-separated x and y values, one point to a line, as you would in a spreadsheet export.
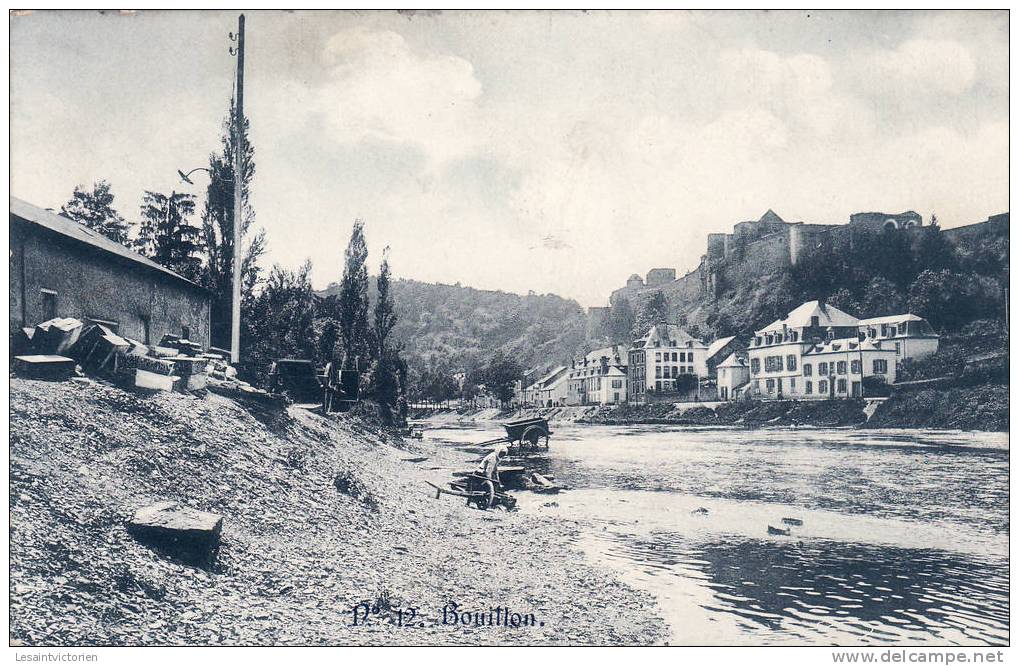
778	531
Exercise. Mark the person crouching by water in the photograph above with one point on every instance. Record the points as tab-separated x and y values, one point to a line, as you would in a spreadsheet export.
488	471
489	467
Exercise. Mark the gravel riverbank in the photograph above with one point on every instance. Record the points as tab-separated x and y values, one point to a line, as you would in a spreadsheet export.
298	554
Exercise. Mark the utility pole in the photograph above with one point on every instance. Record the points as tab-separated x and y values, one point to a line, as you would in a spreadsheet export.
235	329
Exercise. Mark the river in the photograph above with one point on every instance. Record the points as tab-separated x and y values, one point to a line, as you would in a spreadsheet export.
904	534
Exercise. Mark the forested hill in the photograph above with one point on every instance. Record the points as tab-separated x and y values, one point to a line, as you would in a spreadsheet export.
453	328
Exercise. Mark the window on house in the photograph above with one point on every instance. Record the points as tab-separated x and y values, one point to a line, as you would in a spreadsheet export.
884	330
808	370
658	371
755	365
815	321
617	383
49	304
880	366
854	367
757	341
822	387
773	364
757	384
674	358
770	384
658	356
793	336
842	386
898	348
809	388
822	370
792	384
841	367
790	362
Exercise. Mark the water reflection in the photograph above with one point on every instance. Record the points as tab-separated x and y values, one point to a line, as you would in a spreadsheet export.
904	536
821	591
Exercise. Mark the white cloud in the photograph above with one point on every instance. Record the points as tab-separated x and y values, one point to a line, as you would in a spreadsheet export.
378	87
920	66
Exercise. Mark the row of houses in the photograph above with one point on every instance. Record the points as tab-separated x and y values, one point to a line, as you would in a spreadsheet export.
816	352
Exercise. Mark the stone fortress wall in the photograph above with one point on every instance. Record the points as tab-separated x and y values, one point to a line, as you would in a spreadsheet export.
755	247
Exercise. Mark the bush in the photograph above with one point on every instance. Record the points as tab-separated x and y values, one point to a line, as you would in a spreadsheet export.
876	387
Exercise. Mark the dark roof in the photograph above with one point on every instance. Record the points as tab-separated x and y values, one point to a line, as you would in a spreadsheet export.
71	229
770	216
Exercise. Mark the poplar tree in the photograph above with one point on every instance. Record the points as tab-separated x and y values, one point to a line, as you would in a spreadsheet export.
387	362
353	302
218	230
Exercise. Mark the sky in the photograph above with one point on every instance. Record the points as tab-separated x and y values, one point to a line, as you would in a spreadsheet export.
554	152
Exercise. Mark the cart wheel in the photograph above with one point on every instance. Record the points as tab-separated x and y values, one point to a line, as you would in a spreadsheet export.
531	437
486	500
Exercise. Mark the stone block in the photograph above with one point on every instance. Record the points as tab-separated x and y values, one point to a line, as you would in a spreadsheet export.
179	531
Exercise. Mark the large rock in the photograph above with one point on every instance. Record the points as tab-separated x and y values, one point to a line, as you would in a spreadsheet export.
44	366
56	336
186	533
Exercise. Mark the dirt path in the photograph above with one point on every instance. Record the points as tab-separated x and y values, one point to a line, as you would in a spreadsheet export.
298	555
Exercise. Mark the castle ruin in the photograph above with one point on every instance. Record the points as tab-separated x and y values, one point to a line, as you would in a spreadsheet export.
756	247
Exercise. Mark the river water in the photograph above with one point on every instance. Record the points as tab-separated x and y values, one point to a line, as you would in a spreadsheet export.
904	535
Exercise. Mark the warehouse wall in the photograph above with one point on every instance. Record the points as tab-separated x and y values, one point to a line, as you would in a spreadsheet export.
92	284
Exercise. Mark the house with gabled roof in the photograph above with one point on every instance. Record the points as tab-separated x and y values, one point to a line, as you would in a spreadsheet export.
665	361
598	378
912	336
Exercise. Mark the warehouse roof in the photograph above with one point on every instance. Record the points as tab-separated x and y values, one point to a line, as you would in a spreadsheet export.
82	234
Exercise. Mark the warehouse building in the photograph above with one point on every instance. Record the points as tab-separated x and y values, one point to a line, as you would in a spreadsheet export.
59	268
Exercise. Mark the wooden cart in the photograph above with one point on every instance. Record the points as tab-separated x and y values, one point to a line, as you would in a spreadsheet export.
525	433
482	493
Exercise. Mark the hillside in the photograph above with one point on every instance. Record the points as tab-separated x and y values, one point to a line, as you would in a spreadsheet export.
952	277
456	328
319	515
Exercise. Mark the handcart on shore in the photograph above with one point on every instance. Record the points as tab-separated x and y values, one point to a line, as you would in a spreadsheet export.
480	492
524	433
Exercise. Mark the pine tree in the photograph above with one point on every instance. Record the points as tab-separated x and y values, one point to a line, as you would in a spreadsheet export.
218	230
166	236
353	304
95	210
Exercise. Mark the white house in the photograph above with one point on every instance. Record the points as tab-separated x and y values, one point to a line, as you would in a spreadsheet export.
553	392
776	350
548	391
599	378
660	357
912	336
733	377
836	369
